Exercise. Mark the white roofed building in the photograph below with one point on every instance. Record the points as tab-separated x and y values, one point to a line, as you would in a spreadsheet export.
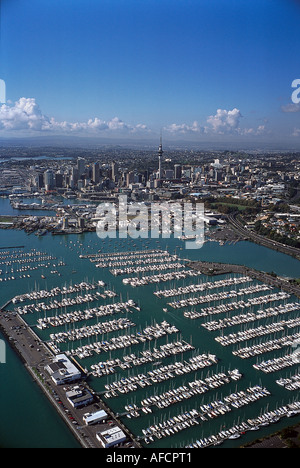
63	371
94	418
111	437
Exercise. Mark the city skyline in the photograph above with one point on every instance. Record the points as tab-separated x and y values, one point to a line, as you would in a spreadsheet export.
201	72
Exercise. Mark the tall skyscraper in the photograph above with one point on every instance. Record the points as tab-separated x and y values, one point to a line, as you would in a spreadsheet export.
80	166
178	171
114	171
96	173
160	154
129	178
59	177
49	180
74	174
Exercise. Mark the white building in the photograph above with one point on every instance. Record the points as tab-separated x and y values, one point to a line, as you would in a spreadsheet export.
111	437
94	418
62	370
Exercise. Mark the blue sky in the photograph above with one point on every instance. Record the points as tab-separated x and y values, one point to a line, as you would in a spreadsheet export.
198	69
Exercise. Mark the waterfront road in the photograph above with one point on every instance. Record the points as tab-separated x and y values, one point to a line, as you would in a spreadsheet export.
262	240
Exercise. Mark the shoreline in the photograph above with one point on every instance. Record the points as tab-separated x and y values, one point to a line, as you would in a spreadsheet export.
262	240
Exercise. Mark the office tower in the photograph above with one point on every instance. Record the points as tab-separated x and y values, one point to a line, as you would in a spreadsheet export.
129	178
65	223
49	180
80	166
218	176
96	173
40	181
177	171
74	175
59	177
114	171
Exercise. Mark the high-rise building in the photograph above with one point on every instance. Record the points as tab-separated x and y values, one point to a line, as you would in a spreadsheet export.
80	166
114	171
177	171
129	178
59	177
74	175
40	181
49	180
96	173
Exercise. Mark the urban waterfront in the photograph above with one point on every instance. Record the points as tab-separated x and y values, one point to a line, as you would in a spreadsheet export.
60	265
149	227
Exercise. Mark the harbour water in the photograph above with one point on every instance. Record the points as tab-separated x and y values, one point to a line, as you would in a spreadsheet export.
56	261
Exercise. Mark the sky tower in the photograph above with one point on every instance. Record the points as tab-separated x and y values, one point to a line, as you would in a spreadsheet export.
160	153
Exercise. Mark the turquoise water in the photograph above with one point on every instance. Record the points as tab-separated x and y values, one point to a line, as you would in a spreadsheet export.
27	417
44	427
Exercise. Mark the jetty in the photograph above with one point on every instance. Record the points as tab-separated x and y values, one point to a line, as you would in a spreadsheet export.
215	268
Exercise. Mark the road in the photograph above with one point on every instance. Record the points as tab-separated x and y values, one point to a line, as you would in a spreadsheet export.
258	239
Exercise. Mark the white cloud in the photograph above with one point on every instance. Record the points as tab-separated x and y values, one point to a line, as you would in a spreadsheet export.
291	108
225	121
25	114
184	128
260	130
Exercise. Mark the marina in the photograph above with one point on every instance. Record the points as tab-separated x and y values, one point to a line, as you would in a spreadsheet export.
123	341
266	346
213	410
129	361
277	364
239	430
195	288
193	301
155	365
79	316
161	374
16	264
291	384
